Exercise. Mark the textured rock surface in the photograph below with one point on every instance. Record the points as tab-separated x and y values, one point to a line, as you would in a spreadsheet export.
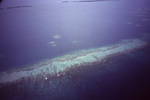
54	78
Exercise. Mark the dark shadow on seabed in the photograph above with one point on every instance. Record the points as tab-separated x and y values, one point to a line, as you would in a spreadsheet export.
128	79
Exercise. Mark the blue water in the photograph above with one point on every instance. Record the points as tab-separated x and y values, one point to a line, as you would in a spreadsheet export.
25	34
24	37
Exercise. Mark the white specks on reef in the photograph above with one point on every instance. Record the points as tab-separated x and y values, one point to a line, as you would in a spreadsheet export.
52	43
58	75
46	78
56	36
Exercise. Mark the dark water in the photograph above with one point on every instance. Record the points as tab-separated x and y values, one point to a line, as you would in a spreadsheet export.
128	79
32	30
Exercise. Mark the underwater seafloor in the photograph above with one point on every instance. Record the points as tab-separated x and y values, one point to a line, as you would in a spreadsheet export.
123	76
125	79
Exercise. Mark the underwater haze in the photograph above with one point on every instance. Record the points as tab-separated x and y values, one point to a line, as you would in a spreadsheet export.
74	50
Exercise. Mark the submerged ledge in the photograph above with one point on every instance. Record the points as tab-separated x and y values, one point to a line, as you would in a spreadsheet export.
59	66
